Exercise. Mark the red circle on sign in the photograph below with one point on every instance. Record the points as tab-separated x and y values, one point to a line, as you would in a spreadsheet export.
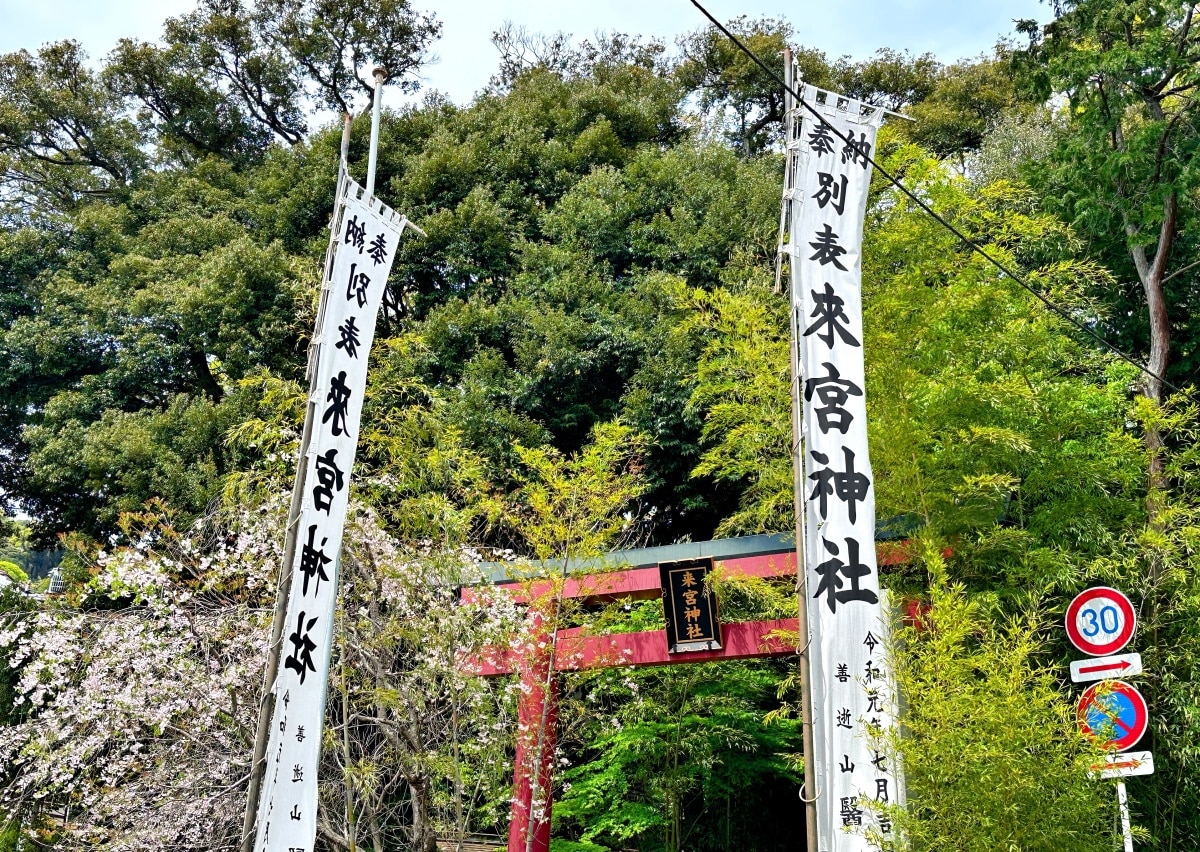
1121	708
1092	607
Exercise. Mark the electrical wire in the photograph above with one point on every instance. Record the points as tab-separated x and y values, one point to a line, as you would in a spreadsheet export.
971	244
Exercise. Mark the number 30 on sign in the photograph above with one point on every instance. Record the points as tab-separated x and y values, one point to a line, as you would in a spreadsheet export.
1100	621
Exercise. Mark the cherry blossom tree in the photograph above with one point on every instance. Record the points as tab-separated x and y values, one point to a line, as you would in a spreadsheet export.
136	694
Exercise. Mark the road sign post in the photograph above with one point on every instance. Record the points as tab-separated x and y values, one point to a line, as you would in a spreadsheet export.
1100	622
1123	803
1119	713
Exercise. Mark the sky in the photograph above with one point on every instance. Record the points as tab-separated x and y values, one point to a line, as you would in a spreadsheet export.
950	29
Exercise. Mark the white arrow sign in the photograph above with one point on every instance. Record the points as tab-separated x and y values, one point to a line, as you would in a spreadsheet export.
1106	668
1125	764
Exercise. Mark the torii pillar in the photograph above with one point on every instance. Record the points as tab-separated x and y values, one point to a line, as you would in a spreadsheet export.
537	729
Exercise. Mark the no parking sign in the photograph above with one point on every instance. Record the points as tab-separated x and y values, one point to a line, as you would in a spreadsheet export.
1100	621
1115	714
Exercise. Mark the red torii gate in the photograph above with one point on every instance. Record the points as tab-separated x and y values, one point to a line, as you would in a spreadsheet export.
574	650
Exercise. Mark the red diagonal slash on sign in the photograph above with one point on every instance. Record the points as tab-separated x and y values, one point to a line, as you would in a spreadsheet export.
1116	720
1105	667
1111	715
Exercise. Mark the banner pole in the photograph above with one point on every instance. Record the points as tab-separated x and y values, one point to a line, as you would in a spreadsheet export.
811	790
347	123
266	707
373	157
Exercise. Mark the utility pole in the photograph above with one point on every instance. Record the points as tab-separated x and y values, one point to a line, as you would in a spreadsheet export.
810	790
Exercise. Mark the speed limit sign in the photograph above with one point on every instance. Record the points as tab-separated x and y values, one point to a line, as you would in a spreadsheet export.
1100	621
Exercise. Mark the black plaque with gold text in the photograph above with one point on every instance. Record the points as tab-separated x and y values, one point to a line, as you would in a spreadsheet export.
689	607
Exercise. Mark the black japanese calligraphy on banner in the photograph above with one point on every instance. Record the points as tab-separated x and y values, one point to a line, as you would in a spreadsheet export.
853	702
689	607
362	247
832	392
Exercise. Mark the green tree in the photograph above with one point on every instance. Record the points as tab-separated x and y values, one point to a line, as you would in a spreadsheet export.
965	101
565	509
745	102
741	387
992	754
117	370
161	250
677	757
231	75
1128	71
988	422
892	79
63	139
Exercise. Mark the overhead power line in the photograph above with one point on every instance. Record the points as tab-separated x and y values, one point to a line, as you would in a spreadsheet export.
937	217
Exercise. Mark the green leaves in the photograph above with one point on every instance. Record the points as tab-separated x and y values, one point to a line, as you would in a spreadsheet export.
992	756
665	751
1123	170
62	137
741	392
568	509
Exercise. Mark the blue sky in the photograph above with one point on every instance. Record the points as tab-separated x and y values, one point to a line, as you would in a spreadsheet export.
950	29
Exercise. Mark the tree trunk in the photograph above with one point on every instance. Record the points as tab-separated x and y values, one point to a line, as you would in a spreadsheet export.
424	838
376	831
1152	273
208	382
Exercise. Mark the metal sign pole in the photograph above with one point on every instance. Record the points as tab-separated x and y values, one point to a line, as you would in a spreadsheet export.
373	157
1123	802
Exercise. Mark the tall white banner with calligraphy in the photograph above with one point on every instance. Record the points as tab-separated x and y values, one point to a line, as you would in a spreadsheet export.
852	695
365	235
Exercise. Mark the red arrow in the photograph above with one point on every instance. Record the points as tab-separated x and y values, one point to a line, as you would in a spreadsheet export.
1124	664
1123	764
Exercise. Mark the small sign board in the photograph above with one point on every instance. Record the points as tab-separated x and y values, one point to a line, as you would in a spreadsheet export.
1114	714
1125	764
689	607
1106	668
1100	621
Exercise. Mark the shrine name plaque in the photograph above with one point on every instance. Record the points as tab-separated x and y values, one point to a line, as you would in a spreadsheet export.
689	607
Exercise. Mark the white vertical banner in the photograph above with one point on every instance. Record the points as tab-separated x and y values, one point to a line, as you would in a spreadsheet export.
365	235
853	699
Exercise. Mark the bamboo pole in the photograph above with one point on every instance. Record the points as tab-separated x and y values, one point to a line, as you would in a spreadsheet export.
266	707
810	789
